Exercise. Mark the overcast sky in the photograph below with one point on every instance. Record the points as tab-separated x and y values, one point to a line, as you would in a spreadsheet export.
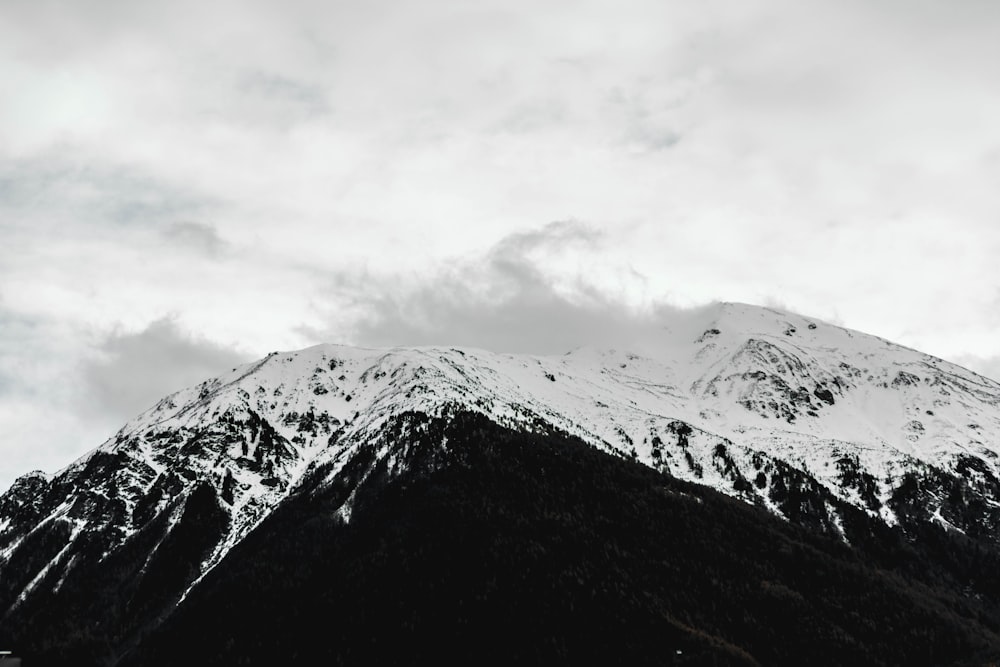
188	185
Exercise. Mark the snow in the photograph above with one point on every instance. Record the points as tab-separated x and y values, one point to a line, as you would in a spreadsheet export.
38	578
610	397
838	523
730	374
948	525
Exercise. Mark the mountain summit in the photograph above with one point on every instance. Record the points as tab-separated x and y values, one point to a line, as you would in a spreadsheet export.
882	451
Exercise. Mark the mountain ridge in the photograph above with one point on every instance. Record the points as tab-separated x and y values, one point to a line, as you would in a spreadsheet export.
808	421
756	369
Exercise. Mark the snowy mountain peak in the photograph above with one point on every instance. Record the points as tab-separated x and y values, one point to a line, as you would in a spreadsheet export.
766	378
751	401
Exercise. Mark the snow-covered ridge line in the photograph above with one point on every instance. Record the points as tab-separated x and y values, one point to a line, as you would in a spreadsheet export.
734	401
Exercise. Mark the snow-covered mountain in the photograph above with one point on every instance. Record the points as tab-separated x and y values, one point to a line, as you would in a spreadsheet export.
789	413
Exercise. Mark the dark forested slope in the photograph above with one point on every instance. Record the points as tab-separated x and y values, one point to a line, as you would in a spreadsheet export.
505	547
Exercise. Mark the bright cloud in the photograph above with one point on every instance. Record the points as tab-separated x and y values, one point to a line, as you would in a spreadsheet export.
232	178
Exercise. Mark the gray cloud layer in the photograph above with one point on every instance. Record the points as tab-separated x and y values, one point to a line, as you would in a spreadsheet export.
64	389
510	299
137	369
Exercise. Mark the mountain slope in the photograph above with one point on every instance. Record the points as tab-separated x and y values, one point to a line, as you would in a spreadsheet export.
842	433
514	548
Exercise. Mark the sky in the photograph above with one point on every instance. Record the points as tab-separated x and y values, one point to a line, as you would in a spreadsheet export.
186	186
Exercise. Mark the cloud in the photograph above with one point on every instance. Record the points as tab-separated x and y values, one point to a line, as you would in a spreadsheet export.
196	235
137	369
22	341
374	171
65	386
63	189
510	299
39	416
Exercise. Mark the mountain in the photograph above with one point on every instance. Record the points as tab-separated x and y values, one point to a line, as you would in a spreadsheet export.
760	488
